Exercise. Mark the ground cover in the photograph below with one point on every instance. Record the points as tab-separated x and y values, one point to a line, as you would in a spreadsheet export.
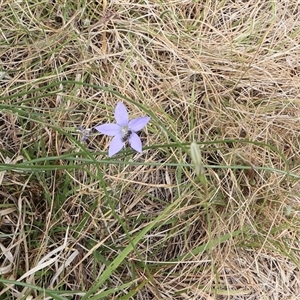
209	209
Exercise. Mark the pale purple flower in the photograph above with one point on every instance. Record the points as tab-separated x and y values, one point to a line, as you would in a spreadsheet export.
124	130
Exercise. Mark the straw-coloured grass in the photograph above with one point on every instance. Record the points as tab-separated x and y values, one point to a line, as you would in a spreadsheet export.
75	223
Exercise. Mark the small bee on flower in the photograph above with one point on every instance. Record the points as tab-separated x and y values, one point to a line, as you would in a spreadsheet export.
127	133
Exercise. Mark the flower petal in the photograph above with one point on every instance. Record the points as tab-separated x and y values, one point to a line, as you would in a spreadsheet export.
109	129
138	123
116	145
121	114
135	142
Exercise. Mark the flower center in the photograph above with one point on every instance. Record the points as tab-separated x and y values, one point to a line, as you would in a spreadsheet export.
125	130
126	133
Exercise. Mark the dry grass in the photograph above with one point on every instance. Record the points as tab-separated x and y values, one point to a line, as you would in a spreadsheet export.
74	223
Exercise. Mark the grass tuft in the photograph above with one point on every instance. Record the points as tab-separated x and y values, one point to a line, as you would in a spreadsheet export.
209	210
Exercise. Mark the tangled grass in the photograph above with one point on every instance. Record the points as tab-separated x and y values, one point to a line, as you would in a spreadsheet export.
75	224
